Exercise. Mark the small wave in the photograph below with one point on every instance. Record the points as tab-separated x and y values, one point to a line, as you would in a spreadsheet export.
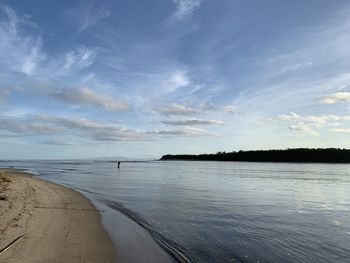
84	190
70	169
29	171
168	245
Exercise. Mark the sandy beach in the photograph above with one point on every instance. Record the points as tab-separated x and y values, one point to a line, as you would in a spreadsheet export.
45	222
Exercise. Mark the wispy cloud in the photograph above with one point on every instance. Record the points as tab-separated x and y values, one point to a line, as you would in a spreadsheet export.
22	51
186	8
336	97
303	129
192	122
19	52
79	58
176	79
90	15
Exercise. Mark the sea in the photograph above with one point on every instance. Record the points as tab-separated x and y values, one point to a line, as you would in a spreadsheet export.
221	211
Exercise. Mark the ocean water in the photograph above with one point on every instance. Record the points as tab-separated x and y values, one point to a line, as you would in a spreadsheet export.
222	211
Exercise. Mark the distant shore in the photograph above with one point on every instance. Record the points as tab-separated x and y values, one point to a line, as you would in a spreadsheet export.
298	155
45	222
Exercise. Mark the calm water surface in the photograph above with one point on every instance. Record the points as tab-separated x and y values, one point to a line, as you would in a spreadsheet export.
223	211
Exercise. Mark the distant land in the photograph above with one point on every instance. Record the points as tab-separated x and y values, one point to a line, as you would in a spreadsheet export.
298	155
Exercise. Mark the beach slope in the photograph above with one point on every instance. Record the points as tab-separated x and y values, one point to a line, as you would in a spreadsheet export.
45	222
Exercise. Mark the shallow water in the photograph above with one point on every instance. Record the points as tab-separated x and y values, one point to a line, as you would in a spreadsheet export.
223	211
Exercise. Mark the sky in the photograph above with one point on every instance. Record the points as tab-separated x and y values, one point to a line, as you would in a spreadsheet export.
143	78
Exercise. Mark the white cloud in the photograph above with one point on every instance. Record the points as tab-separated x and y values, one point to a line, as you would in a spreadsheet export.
186	8
88	96
191	122
300	127
307	124
341	130
322	120
176	109
288	117
336	97
317	120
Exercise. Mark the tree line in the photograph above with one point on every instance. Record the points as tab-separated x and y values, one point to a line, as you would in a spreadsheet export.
302	155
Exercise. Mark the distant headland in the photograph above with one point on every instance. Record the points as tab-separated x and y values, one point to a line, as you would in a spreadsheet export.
297	155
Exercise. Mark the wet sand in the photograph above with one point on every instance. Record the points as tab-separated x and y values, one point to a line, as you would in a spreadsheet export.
45	222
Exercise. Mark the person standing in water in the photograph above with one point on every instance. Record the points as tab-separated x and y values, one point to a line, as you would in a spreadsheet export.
118	165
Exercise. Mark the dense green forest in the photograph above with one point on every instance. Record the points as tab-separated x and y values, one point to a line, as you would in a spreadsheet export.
303	155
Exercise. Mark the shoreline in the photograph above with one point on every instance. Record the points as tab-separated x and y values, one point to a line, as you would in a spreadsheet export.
175	251
45	222
122	238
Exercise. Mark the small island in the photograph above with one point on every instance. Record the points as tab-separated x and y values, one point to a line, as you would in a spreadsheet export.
297	155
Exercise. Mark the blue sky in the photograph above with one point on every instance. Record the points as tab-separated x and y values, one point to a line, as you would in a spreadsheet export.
81	79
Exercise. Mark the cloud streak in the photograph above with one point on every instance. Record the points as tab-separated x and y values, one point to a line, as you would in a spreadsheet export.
86	96
89	129
176	109
28	127
81	127
191	122
186	132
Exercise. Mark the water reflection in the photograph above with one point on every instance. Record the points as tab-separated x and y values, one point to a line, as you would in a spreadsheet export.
224	212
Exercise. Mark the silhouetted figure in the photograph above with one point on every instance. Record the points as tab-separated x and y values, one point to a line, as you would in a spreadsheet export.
118	165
